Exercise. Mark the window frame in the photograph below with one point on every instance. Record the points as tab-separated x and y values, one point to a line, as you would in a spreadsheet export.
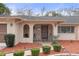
71	29
27	32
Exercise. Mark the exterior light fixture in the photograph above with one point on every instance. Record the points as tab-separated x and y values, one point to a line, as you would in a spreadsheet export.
11	24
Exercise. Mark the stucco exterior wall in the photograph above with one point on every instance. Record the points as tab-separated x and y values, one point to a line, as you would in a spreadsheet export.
11	27
30	38
77	32
17	33
17	29
67	36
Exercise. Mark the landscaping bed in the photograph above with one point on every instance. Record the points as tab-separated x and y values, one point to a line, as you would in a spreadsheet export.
66	44
41	51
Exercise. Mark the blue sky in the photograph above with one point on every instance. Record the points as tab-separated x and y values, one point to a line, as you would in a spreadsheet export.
40	5
37	6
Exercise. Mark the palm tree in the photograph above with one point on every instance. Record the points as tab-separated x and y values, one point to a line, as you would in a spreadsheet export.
4	10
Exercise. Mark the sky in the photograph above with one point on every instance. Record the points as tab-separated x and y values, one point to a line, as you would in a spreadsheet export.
36	7
40	5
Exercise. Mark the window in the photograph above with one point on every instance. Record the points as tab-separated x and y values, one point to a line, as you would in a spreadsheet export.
65	29
26	31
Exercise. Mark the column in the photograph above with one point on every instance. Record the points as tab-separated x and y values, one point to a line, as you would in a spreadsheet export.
31	32
55	30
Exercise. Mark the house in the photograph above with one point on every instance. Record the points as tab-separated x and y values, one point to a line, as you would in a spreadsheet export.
39	29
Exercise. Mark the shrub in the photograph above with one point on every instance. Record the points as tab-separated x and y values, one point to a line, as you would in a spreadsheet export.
2	54
46	49
57	47
55	39
54	42
35	52
19	53
9	39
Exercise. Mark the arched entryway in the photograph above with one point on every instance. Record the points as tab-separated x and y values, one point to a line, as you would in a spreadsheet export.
26	31
42	32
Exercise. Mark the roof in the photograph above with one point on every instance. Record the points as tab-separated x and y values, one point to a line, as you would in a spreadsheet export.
71	19
66	19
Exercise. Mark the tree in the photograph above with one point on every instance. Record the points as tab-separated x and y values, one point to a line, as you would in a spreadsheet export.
42	11
52	13
4	10
55	14
20	12
76	12
29	12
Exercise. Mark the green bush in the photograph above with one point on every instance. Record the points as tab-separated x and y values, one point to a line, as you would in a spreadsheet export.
2	54
19	53
57	47
35	52
9	39
55	42
55	39
46	49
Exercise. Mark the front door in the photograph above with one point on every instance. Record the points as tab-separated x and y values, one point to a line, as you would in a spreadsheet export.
44	32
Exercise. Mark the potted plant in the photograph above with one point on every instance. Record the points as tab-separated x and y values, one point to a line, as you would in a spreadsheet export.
57	47
9	40
19	53
35	51
46	49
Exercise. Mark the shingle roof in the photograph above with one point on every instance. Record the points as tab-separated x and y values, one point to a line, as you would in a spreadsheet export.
66	19
40	18
71	19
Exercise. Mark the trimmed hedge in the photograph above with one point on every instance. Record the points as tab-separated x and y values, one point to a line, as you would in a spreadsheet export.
46	49
2	54
19	53
57	47
35	51
10	40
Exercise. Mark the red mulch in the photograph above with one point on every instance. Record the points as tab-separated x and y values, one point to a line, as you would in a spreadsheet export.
51	53
22	46
70	46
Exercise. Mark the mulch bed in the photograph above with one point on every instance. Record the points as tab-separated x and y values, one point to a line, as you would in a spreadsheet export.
52	52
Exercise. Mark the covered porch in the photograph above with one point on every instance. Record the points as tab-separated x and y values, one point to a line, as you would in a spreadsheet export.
37	30
40	31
